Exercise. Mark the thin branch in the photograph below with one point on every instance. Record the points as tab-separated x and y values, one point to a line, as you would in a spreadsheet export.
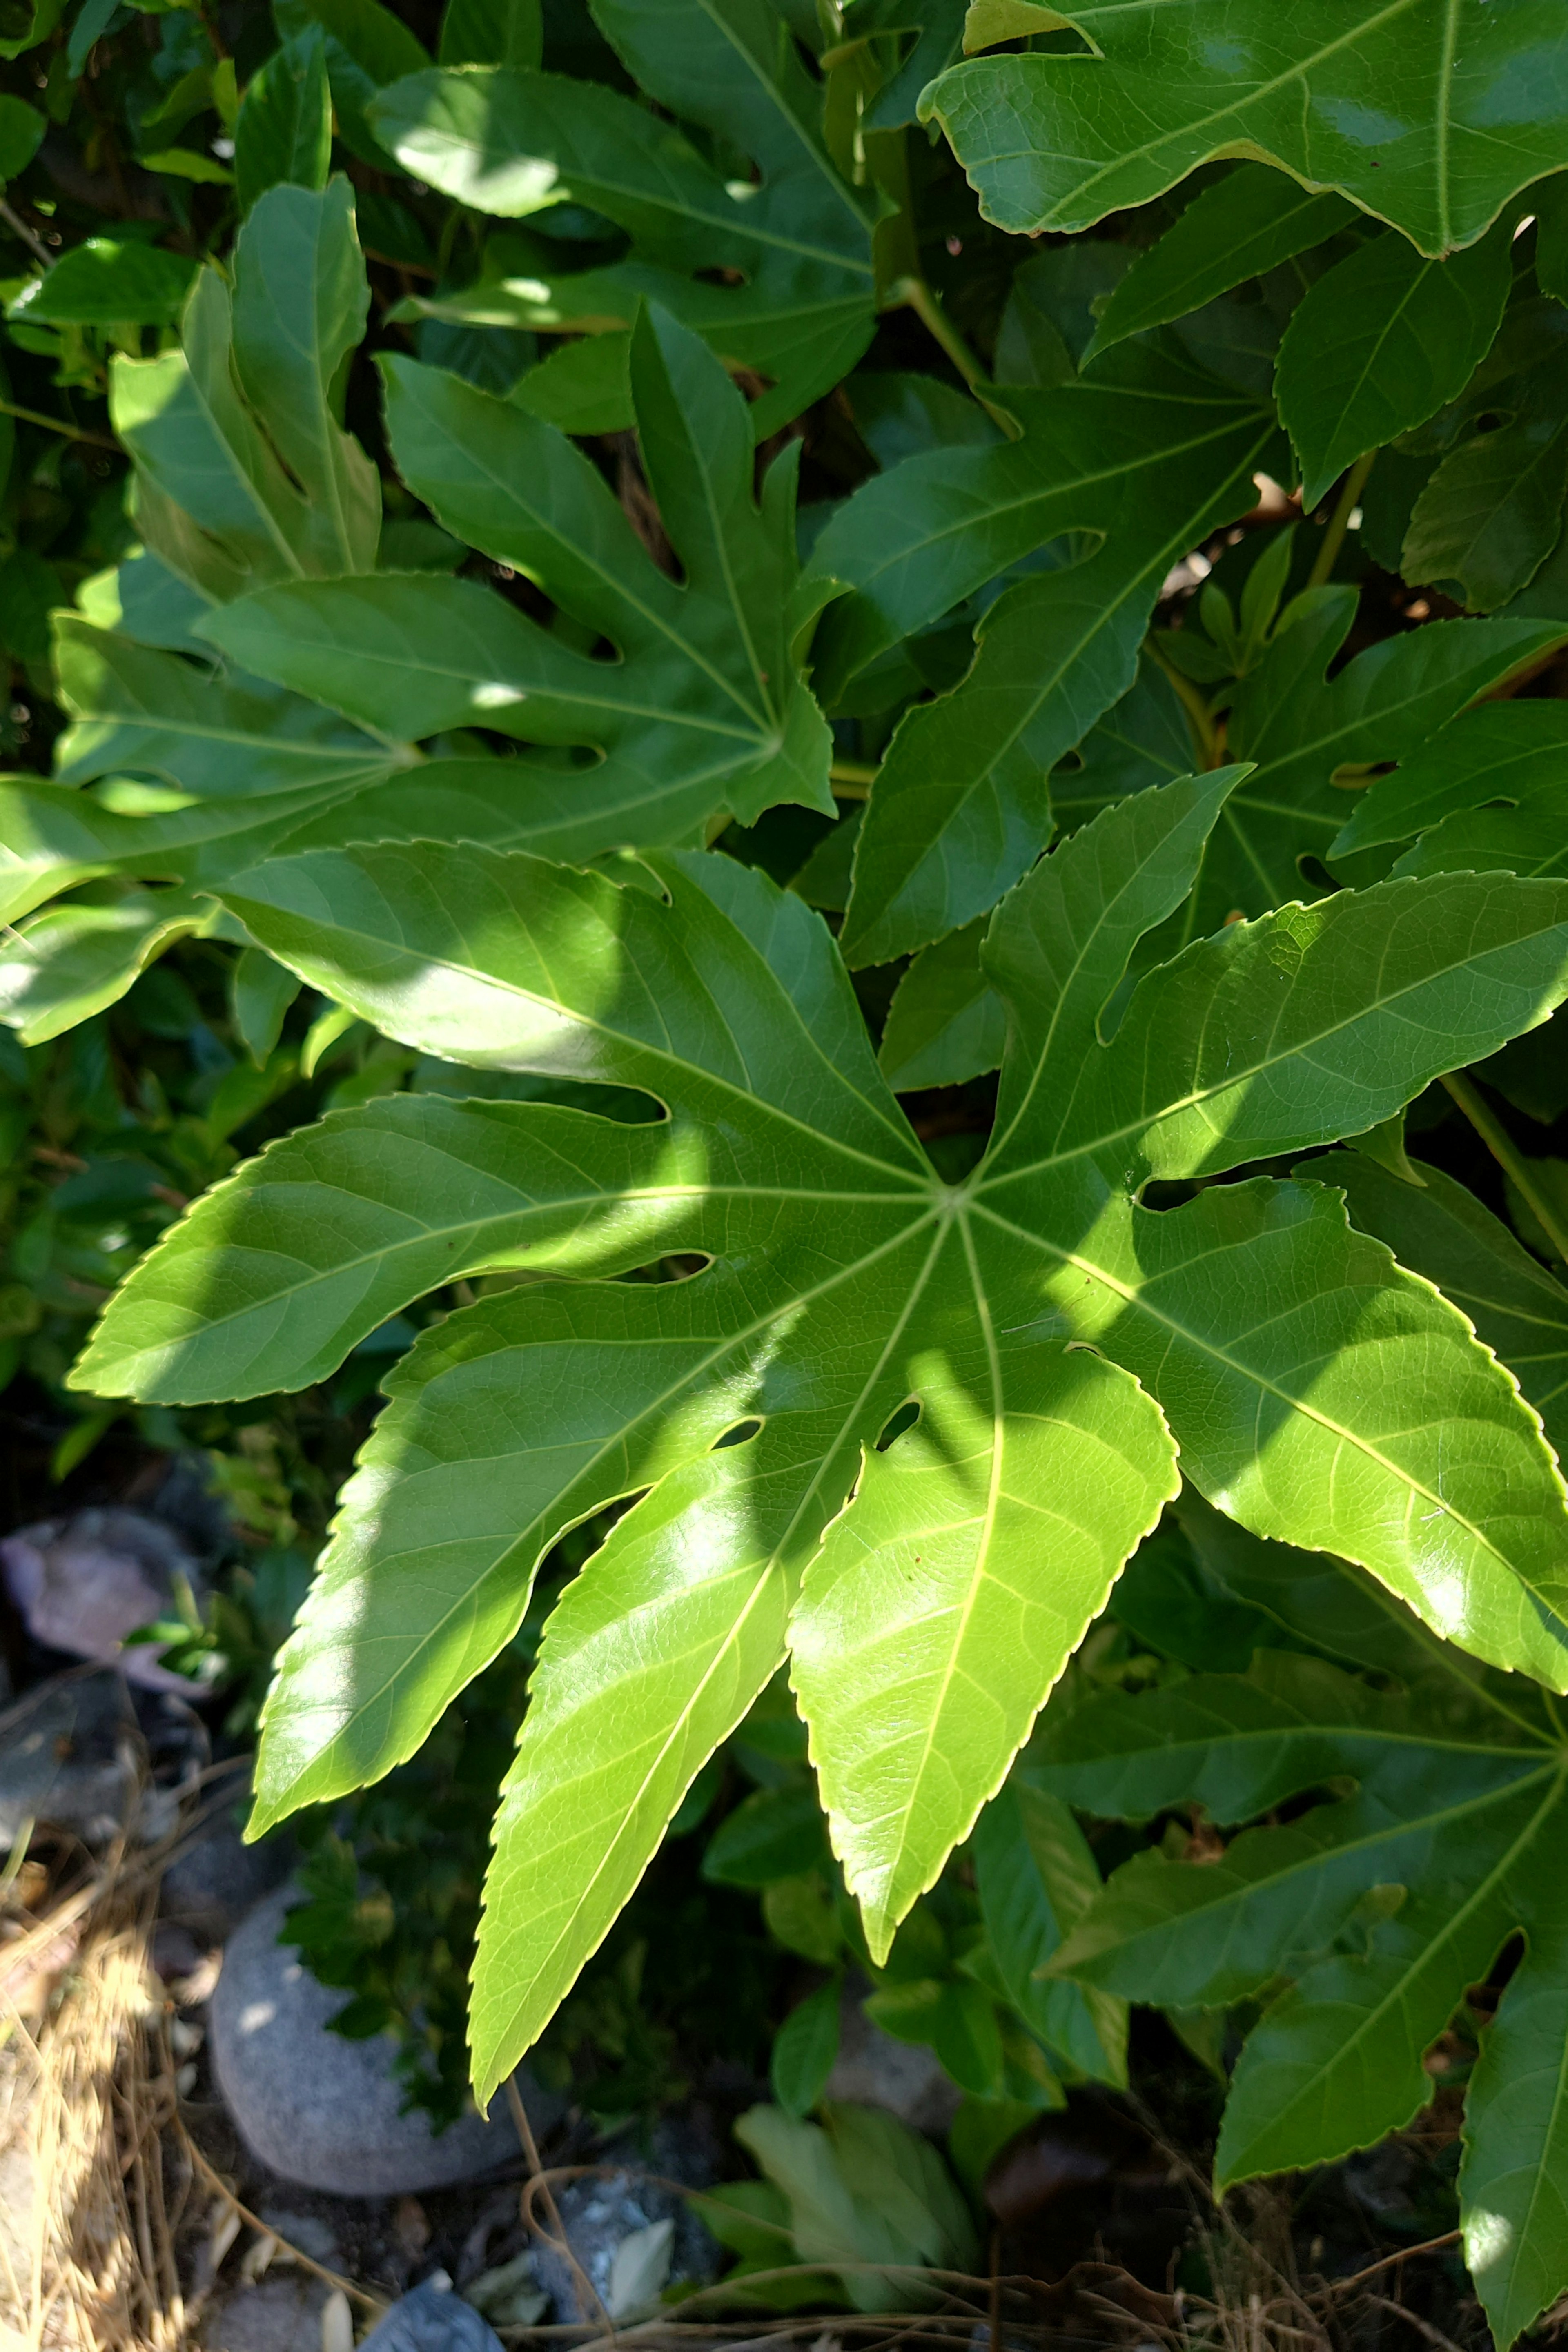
1422	2327
30	237
373	2303
1429	2246
1508	1157
539	2180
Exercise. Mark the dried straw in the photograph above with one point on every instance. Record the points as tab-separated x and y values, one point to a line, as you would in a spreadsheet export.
90	2267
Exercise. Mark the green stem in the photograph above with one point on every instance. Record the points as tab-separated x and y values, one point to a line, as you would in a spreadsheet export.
914	294
1206	734
1508	1156
55	424
1345	506
852	780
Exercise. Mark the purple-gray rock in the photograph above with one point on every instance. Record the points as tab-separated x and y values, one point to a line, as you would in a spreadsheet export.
83	1583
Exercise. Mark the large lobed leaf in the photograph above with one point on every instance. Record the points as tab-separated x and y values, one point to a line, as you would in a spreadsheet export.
649	707
1060	1342
1396	106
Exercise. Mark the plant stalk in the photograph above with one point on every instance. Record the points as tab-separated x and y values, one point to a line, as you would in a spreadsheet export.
1345	506
852	780
914	294
1508	1157
56	425
1207	736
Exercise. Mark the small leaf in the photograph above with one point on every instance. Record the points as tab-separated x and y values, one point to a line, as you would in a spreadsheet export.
284	130
22	128
491	33
1035	1879
104	282
946	1022
804	2049
1380	342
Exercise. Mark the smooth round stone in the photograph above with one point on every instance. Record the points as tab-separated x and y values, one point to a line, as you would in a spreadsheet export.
319	2109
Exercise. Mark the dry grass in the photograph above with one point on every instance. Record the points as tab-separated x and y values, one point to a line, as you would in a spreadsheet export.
86	2256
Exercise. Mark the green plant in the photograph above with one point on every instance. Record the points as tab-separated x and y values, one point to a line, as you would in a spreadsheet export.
1348	1934
513	702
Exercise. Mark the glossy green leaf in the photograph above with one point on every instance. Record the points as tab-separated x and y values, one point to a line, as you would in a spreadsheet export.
932	40
1380	344
1437	1228
1513	2182
262	993
1292	1360
702	709
491	33
514	142
1490	513
804	2048
1492	791
582	386
22	128
284	130
33	22
862	2188
367	46
915	541
150	712
924	1648
71	961
1398	108
1250	222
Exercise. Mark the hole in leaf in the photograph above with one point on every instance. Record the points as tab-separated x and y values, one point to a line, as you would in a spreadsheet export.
742	1434
908	1414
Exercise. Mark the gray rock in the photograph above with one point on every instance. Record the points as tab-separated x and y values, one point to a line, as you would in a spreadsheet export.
629	2234
872	2069
319	2109
432	2319
64	1760
83	1583
218	1880
281	2313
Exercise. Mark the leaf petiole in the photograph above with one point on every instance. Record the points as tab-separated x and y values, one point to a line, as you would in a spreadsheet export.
57	425
1207	733
914	294
852	779
1345	506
